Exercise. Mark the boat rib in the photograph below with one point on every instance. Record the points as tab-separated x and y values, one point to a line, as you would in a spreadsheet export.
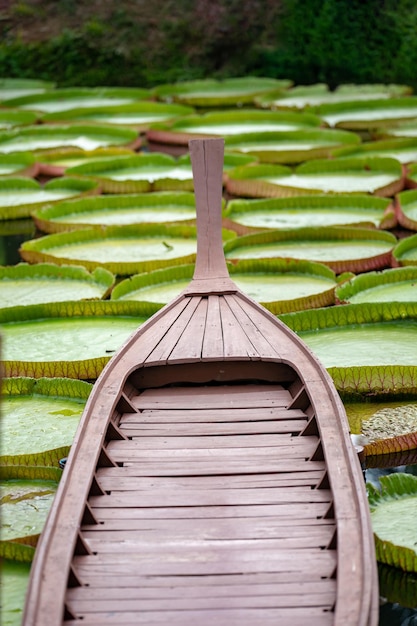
212	479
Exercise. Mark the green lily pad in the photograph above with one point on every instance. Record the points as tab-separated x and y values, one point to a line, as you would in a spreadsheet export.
120	249
369	114
405	252
402	149
20	196
14	581
70	98
24	506
139	173
18	87
9	118
56	161
18	164
301	211
279	285
391	285
227	123
373	175
393	514
309	96
291	146
367	348
117	210
67	339
341	249
139	115
411	176
227	92
39	419
406	206
33	284
42	137
400	129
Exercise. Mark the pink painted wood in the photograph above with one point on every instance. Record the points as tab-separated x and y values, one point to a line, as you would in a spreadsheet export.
212	477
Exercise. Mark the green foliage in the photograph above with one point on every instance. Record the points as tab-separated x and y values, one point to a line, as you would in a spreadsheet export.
332	41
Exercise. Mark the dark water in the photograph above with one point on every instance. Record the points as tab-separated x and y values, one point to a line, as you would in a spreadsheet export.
392	612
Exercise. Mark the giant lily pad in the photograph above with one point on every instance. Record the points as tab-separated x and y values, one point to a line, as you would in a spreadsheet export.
341	249
55	162
210	92
69	98
367	348
406	206
403	149
40	417
18	87
391	285
14	580
139	115
280	285
401	129
226	123
139	173
405	252
308	96
20	196
120	249
9	118
119	209
24	505
393	514
66	339
370	114
387	423
301	211
291	146
54	136
411	176
18	164
378	176
33	284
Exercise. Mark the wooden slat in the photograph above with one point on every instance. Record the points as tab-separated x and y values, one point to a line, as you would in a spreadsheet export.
236	343
217	428
213	338
147	589
119	480
189	346
209	415
255	617
306	445
167	342
209	467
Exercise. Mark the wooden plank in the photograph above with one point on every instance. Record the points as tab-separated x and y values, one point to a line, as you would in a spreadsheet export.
165	345
305	445
218	561
240	528
236	343
243	315
209	415
249	617
145	588
189	346
212	497
213	337
119	542
87	606
117	480
197	467
216	428
287	511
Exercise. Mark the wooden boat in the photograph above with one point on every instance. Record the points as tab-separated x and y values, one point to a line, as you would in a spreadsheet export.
212	479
